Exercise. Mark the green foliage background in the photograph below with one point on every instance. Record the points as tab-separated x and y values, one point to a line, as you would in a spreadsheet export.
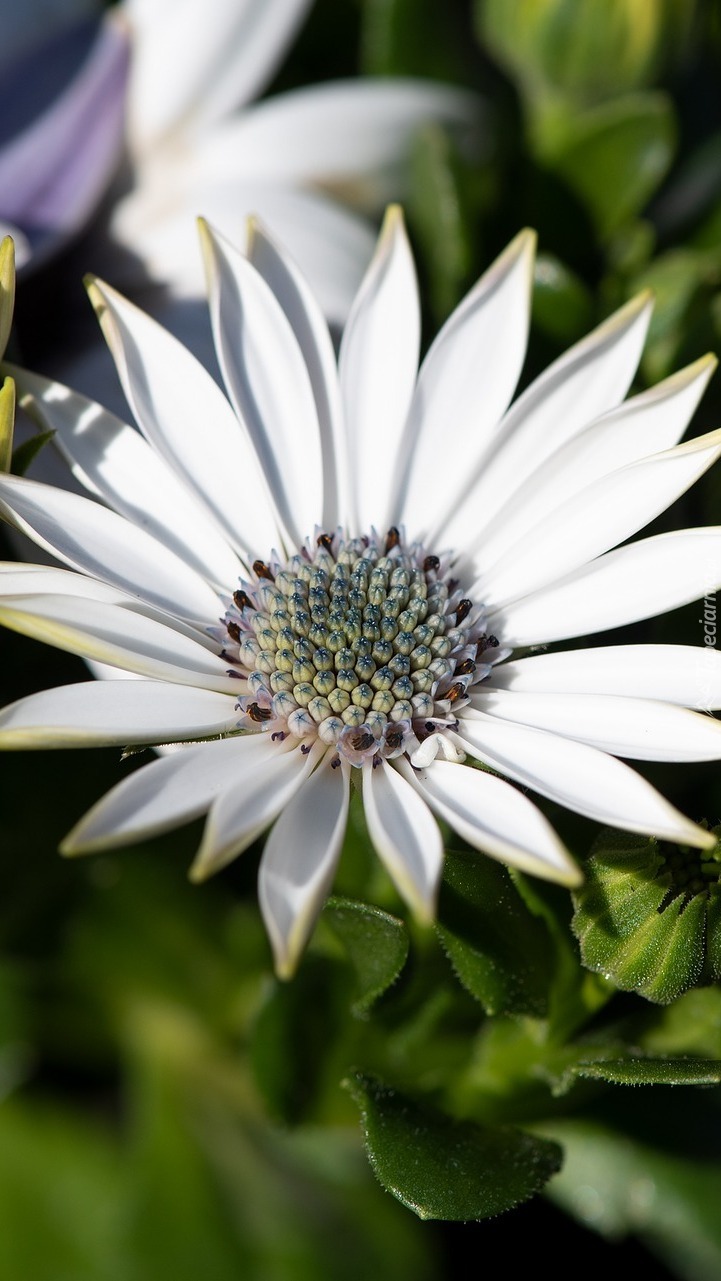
168	1108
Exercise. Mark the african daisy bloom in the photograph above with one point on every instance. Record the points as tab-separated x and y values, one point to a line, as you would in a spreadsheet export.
320	580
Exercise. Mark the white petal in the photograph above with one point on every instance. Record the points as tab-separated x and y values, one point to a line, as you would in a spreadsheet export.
22	579
345	133
643	728
378	363
118	636
103	713
267	381
18	580
464	387
115	463
588	380
647	424
633	582
686	674
605	513
311	331
241	813
160	796
299	862
88	537
405	835
331	245
495	818
579	777
191	69
185	416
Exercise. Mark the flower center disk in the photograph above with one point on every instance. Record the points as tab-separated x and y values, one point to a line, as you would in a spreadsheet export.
364	643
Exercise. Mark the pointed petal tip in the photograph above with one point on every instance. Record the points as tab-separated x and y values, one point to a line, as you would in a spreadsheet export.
518	255
526	240
425	913
642	301
95	289
394	214
287	955
206	236
637	309
573	877
422	900
257	233
708	361
200	869
701	838
523	246
72	845
394	225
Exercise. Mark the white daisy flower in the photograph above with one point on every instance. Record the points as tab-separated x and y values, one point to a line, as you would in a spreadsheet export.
322	579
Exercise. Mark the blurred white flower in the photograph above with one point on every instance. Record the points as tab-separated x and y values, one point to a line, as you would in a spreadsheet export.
197	144
325	575
311	163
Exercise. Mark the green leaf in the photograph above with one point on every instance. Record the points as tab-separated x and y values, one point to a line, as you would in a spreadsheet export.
690	1026
374	942
29	450
436	207
408	38
583	53
617	1185
615	156
691	192
60	1196
643	913
499	950
562	305
576	995
679	280
446	1169
7	423
7	291
649	1071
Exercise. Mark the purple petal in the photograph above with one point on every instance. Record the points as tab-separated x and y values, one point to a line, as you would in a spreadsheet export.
56	167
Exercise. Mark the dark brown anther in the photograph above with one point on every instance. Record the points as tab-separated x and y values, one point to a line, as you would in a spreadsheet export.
394	738
464	608
392	538
361	741
233	631
466	667
260	569
481	644
431	562
242	600
455	692
258	714
326	541
492	642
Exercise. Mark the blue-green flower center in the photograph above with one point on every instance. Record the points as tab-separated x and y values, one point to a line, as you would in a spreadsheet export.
365	643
